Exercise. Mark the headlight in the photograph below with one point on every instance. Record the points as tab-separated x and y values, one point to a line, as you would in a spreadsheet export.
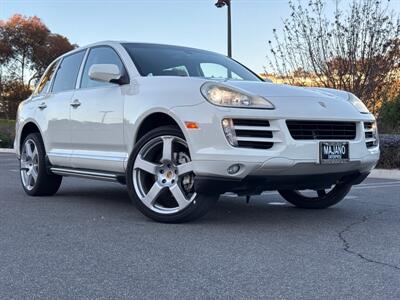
358	104
222	95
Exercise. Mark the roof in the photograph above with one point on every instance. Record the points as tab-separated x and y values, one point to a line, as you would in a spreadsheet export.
113	43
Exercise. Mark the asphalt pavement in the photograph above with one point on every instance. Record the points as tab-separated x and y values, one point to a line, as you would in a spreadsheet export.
89	242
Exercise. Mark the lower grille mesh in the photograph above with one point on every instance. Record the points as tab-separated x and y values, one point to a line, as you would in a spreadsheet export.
322	130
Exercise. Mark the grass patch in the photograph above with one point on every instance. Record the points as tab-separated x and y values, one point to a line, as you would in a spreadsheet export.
7	122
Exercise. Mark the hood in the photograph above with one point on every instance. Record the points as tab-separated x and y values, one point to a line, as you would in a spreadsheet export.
293	102
290	102
266	89
301	102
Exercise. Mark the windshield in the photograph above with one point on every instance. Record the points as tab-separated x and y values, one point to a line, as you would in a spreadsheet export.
162	60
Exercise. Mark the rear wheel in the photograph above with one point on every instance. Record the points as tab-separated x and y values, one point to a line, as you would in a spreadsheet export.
160	178
317	199
35	179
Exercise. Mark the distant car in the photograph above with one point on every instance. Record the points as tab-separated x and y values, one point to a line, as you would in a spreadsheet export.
181	126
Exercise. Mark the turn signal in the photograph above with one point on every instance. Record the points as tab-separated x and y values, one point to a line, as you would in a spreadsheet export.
192	125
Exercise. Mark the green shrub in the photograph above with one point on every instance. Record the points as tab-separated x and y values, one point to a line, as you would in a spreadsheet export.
7	133
389	116
390	152
5	141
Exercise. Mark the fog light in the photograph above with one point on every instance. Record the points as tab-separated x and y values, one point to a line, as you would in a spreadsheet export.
233	169
229	130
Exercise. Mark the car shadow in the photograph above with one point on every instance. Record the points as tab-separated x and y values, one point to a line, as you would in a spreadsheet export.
263	209
97	191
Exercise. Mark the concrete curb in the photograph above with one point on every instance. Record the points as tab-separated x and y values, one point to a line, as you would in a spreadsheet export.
385	174
7	150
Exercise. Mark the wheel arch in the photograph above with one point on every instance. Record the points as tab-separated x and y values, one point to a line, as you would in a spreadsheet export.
28	128
154	120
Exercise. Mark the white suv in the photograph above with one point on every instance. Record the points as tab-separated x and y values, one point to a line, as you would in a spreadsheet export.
180	126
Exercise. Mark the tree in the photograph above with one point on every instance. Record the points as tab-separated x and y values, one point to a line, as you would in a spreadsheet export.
357	50
23	36
54	46
12	93
389	116
27	47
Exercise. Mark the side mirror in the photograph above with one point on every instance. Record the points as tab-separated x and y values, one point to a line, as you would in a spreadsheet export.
105	73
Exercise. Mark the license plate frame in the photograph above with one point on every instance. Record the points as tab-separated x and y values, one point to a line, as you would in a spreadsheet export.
334	152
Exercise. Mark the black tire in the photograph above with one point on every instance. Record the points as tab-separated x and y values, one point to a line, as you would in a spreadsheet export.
46	184
196	209
323	200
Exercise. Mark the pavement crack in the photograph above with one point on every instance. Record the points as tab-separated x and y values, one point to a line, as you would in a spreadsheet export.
347	246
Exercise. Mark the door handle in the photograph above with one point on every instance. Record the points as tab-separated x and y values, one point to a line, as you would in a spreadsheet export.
42	106
75	103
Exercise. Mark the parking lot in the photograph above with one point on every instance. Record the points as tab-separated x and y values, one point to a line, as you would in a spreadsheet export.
88	241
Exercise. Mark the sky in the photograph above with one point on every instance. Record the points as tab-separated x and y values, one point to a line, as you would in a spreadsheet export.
193	23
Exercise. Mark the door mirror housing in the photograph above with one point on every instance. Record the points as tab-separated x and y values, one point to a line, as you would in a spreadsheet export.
106	73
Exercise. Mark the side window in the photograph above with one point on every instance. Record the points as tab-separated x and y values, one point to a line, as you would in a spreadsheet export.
211	70
99	55
67	72
44	84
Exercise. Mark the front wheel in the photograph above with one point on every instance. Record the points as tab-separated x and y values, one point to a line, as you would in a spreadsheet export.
322	199
160	178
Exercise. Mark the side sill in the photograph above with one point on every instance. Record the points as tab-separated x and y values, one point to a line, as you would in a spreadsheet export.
90	174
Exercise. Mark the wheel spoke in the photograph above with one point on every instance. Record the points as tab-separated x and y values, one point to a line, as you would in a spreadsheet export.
34	173
30	178
153	194
179	196
24	165
35	155
321	193
145	165
185	168
28	150
25	178
167	148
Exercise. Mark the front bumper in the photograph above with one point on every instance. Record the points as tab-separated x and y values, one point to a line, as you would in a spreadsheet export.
212	155
254	185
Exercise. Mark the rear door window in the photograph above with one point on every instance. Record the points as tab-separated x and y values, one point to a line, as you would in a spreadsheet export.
44	84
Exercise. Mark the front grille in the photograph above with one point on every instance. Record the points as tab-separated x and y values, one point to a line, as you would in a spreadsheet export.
322	130
253	133
370	140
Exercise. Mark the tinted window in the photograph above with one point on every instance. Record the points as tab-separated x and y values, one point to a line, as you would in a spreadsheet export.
44	84
100	55
67	72
162	60
176	71
211	70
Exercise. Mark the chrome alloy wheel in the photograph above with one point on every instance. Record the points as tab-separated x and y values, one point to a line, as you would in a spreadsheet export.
29	164
163	175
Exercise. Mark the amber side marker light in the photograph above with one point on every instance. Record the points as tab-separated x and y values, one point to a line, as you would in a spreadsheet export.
192	125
